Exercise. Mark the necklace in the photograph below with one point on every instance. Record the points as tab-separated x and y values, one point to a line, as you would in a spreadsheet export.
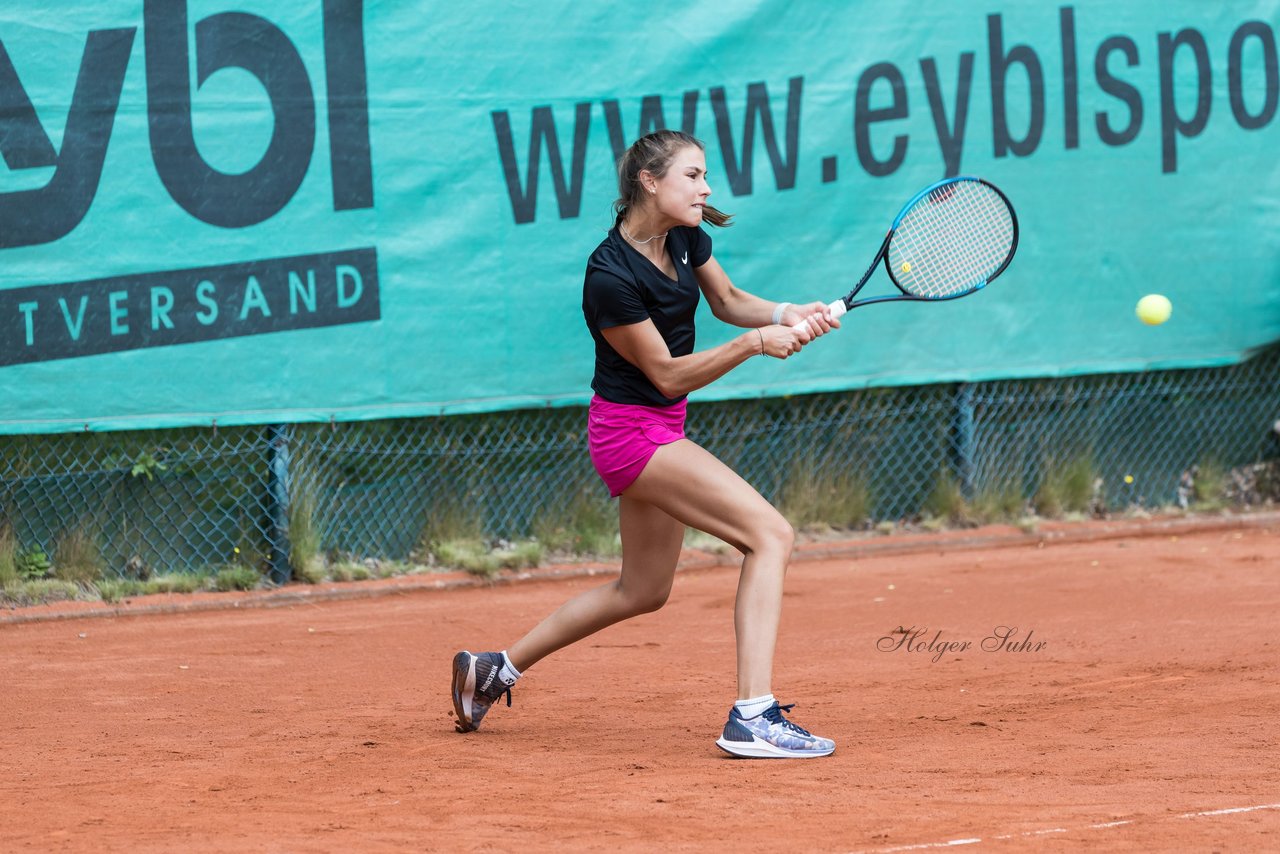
627	235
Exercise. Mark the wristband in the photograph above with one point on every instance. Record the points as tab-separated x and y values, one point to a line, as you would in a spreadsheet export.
778	310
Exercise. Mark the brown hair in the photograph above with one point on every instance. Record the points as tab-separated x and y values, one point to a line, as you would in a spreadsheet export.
653	153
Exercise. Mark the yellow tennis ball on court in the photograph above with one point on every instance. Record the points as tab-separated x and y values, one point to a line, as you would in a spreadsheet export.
906	266
1154	309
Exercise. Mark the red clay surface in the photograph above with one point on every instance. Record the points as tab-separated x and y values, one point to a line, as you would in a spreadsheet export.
1147	714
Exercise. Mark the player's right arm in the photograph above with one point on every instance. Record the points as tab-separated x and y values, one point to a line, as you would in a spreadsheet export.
642	345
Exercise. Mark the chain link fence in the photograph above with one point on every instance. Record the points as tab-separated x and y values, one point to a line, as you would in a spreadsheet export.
195	499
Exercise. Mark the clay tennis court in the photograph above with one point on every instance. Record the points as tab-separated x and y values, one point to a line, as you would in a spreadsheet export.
1146	720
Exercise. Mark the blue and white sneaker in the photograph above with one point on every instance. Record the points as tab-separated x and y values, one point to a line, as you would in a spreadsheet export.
771	736
477	685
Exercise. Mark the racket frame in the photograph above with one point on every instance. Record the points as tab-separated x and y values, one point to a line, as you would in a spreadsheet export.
847	302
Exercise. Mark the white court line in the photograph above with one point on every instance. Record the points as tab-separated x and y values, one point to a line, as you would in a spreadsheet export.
933	845
926	846
1230	811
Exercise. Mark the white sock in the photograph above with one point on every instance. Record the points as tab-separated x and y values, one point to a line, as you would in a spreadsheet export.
754	706
508	674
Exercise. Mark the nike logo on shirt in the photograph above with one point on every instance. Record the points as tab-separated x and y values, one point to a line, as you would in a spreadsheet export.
685	259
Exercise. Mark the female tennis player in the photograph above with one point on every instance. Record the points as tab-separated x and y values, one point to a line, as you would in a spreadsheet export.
641	290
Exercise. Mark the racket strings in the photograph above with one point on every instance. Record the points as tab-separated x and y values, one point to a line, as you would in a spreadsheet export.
957	241
951	241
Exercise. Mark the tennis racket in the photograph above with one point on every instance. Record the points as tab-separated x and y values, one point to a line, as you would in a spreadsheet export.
952	239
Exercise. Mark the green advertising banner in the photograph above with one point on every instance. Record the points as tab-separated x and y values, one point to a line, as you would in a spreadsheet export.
216	213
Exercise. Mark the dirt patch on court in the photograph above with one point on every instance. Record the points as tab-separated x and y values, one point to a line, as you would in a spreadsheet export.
1114	686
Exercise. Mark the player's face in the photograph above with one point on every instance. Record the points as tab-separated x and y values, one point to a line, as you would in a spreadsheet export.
682	192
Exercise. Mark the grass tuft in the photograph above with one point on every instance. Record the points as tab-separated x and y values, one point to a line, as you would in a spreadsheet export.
526	553
451	521
469	555
177	582
480	558
588	525
41	590
822	495
347	570
945	501
117	589
8	558
78	556
1209	490
999	502
1066	487
306	559
309	571
236	578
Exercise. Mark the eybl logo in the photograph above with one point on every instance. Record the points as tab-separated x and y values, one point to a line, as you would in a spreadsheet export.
225	40
159	308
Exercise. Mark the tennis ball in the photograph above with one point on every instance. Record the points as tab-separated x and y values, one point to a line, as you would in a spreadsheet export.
1154	309
906	266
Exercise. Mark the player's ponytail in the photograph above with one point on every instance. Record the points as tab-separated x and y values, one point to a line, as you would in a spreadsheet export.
653	153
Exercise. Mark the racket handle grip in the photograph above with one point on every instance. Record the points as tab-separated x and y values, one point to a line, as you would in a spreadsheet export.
837	310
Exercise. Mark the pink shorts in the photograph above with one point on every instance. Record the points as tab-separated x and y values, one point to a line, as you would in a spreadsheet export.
623	436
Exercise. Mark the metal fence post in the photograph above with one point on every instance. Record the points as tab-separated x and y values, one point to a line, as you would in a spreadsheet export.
962	438
277	502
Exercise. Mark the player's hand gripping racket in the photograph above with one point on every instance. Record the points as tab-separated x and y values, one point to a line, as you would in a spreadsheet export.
952	239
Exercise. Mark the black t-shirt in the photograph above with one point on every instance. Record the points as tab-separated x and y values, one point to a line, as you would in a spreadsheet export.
624	287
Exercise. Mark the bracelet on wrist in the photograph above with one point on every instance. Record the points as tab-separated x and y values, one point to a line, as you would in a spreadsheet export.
761	334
